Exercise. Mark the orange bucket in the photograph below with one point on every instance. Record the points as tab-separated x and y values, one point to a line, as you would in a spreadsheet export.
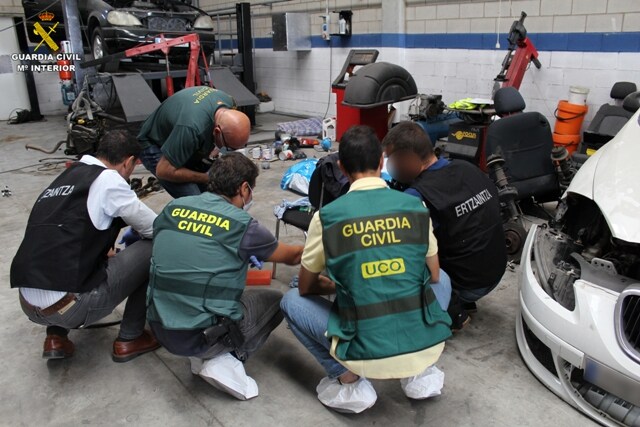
570	142
569	118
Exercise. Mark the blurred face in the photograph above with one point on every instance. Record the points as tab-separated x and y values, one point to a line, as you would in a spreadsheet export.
403	165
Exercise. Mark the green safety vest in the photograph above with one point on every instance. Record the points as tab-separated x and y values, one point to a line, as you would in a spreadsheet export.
196	272
375	244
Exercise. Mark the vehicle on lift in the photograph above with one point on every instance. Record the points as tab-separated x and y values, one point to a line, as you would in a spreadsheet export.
111	26
578	327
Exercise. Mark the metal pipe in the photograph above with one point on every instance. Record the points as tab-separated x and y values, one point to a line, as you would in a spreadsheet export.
74	35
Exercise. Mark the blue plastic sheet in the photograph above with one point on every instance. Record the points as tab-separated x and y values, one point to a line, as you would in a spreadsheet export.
297	175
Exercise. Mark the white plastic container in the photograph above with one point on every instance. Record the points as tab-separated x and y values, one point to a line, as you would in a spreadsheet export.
329	128
578	95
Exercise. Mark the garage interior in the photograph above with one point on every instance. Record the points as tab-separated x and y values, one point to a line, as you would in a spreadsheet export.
284	61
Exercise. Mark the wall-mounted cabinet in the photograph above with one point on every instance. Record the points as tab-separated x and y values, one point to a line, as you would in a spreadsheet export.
291	31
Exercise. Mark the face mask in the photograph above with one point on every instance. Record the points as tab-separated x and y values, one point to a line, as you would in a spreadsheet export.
247	206
391	171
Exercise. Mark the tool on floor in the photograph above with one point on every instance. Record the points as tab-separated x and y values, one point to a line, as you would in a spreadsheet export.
257	277
142	190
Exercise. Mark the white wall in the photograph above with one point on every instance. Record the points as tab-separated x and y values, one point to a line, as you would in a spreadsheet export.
12	83
300	82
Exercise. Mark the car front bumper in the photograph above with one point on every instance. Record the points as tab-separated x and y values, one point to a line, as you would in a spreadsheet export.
118	39
582	339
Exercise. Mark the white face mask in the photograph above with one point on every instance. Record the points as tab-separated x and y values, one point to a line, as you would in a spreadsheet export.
391	170
247	206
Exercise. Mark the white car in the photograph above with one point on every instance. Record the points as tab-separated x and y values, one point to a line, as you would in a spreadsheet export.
578	328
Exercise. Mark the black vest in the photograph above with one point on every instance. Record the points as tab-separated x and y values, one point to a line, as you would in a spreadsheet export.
464	203
61	249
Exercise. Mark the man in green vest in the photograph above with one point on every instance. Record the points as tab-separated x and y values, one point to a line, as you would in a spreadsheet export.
182	135
388	319
197	302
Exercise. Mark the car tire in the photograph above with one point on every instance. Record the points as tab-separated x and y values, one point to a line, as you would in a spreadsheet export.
98	47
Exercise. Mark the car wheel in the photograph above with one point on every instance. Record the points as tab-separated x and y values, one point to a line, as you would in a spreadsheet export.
98	47
514	235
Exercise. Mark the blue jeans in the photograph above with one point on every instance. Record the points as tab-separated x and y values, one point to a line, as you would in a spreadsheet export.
308	317
150	157
473	295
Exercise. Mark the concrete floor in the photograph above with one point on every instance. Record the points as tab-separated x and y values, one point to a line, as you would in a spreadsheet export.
486	382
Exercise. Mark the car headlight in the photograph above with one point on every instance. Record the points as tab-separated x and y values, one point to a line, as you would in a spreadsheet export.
203	22
123	19
555	265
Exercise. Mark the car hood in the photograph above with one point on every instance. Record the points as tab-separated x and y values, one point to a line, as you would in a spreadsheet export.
611	178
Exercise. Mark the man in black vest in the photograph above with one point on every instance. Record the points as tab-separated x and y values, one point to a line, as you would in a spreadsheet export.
465	211
62	268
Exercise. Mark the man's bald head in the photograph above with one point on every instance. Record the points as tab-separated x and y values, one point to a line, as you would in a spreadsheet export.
232	128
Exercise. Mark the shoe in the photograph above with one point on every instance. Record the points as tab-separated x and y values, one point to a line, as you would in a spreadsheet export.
226	373
459	321
459	317
57	347
350	398
470	307
425	385
123	351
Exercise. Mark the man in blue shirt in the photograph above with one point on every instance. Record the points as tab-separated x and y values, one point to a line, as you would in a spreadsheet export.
465	211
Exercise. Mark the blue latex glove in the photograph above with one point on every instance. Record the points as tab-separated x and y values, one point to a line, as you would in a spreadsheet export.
130	237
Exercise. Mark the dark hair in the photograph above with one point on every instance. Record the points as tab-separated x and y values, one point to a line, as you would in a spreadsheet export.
360	150
229	171
409	136
116	145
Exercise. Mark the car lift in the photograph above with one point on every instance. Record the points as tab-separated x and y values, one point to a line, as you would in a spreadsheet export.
164	45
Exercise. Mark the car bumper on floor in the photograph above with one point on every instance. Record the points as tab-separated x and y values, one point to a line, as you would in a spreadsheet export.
576	353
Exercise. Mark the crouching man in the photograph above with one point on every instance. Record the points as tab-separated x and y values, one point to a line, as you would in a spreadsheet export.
65	278
386	322
465	210
198	305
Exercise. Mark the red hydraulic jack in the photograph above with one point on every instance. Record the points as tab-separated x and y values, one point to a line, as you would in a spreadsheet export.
164	45
520	53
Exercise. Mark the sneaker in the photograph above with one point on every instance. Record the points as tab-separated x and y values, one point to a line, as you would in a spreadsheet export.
226	373
459	321
348	398
459	317
425	385
470	307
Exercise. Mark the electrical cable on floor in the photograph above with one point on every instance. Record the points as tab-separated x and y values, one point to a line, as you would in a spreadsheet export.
44	165
16	119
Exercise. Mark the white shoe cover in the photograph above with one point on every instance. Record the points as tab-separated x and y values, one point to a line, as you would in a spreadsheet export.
425	385
227	373
350	398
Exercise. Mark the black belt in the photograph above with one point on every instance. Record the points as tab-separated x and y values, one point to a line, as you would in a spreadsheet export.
59	307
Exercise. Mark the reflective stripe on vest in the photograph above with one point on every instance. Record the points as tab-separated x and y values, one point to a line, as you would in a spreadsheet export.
375	244
196	271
